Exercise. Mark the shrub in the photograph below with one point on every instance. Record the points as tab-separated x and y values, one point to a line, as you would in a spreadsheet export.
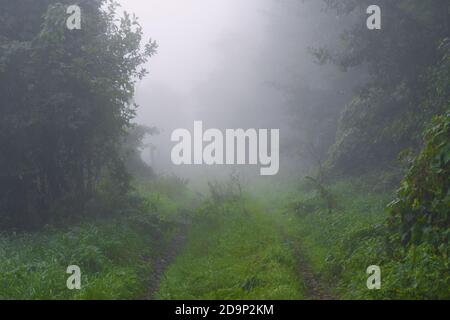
420	213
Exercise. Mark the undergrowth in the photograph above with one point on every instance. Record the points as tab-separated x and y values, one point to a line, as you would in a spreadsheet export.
115	255
341	245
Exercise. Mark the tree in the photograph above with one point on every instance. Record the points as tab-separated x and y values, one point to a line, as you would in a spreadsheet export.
387	113
313	95
421	211
132	147
65	103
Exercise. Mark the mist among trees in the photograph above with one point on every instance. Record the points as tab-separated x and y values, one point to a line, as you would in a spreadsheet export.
87	178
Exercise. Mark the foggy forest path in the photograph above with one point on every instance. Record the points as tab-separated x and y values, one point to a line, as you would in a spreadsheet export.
243	255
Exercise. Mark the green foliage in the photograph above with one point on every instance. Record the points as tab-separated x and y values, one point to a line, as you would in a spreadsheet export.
228	191
66	104
373	129
115	254
343	244
323	193
169	197
172	186
388	112
114	258
421	212
132	147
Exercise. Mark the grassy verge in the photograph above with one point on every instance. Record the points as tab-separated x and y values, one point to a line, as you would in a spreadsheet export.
114	258
341	245
114	254
235	251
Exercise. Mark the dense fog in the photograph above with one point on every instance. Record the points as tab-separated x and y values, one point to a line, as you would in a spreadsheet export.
224	149
232	64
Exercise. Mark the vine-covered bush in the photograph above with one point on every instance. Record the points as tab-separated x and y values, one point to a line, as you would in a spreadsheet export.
420	213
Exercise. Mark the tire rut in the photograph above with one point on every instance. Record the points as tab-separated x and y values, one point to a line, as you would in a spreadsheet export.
315	289
161	263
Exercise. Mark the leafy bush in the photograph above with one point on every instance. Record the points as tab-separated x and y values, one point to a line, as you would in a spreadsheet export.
341	245
169	197
421	211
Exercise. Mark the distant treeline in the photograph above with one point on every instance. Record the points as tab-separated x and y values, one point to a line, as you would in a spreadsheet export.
398	79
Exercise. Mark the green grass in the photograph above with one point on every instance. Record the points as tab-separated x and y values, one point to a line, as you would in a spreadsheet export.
114	257
326	232
341	245
233	254
115	254
238	248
